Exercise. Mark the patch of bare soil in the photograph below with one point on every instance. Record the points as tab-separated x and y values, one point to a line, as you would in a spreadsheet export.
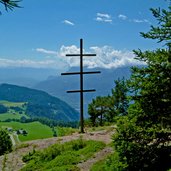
13	161
85	166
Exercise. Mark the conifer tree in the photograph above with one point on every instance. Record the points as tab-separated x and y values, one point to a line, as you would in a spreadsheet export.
144	135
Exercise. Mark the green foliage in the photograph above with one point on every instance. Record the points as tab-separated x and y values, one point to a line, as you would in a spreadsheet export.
62	156
162	32
3	109
105	109
5	142
139	147
97	110
63	131
142	141
119	97
110	163
10	4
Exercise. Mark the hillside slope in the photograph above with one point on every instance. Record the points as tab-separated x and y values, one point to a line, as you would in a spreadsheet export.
39	103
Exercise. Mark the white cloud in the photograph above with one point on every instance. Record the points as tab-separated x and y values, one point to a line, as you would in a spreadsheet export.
123	17
41	50
67	22
103	18
107	16
107	57
140	21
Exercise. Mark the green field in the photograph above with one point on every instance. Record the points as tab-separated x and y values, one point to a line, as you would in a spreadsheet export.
10	115
11	104
35	130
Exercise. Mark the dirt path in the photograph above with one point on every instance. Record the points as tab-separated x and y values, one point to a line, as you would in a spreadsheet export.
85	166
13	161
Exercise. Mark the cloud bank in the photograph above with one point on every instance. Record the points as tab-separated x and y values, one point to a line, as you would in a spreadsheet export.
106	57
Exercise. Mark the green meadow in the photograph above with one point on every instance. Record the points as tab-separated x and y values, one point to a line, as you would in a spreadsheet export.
35	130
10	115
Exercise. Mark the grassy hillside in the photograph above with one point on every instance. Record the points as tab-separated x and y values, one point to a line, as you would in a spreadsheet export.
38	103
8	115
62	156
16	110
35	130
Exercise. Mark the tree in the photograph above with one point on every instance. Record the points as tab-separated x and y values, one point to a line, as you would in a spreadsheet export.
10	4
120	97
97	110
108	107
5	142
143	136
3	109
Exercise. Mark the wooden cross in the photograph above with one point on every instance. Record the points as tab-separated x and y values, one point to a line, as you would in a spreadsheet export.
81	90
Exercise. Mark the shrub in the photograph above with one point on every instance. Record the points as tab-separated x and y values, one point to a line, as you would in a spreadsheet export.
5	142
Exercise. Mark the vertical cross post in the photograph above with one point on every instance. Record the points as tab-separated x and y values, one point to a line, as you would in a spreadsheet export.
81	73
81	88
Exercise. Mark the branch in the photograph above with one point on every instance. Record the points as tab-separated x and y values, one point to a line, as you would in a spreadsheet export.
10	4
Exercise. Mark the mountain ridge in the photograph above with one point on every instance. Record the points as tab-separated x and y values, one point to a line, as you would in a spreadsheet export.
103	83
39	103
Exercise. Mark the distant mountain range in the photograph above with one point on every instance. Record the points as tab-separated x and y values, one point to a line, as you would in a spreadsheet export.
39	103
25	76
50	81
103	83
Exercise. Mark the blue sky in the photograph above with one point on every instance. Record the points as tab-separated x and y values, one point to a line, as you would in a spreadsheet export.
42	32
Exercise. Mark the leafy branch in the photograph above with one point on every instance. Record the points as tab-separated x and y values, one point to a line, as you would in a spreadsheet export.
10	4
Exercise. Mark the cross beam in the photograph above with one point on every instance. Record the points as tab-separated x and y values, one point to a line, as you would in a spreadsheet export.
76	73
81	73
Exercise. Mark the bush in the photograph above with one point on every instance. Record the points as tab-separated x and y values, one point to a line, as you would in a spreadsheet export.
5	142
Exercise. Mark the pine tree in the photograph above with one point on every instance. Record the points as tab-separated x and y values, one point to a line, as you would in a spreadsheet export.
144	135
